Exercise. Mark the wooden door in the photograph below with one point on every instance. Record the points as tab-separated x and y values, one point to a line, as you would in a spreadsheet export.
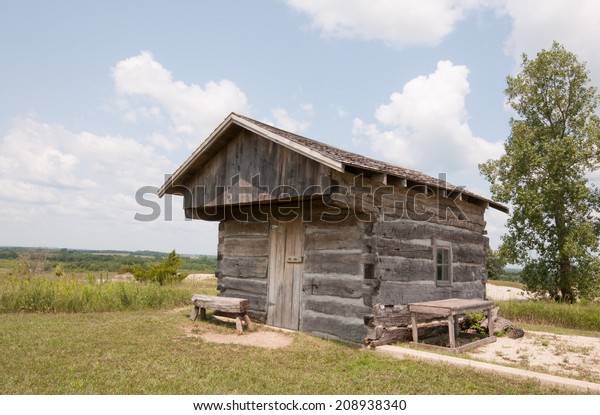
286	242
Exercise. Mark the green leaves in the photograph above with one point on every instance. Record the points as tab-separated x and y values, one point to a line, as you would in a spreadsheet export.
554	143
163	272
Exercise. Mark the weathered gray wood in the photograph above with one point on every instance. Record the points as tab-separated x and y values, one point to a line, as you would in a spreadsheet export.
194	314
337	287
407	230
335	262
233	228
451	333
248	322
252	286
244	267
352	329
228	304
335	306
398	268
258	303
404	248
238	325
224	306
460	349
415	327
252	169
285	277
335	239
450	306
245	247
397	315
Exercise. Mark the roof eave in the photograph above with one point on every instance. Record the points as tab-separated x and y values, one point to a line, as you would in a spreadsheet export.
235	119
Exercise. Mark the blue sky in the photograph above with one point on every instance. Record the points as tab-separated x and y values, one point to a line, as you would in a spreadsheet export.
98	99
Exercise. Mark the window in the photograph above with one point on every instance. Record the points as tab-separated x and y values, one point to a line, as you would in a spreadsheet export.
443	271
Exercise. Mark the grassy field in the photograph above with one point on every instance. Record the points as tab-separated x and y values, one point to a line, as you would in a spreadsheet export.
149	352
73	335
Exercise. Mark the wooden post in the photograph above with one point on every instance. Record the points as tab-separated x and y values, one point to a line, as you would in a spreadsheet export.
415	329
248	322
451	332
456	326
238	325
202	313
194	314
490	322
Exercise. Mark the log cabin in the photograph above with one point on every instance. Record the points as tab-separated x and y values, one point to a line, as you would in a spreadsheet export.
326	241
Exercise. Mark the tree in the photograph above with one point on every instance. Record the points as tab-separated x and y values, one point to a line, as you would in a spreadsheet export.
494	264
554	143
163	272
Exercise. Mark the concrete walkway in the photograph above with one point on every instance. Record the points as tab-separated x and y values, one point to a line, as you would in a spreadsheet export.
545	379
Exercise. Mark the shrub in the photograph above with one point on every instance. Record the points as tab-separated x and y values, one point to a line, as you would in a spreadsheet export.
162	273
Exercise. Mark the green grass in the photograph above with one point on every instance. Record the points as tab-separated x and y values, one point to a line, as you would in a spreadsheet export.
69	294
150	352
580	316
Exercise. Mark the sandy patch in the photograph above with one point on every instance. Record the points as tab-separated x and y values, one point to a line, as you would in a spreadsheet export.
562	355
496	292
264	339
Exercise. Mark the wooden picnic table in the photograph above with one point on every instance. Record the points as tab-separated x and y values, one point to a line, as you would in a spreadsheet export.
453	308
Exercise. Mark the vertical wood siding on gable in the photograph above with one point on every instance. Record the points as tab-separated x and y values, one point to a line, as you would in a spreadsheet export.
252	169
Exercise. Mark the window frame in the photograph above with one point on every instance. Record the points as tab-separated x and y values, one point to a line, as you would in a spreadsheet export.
446	246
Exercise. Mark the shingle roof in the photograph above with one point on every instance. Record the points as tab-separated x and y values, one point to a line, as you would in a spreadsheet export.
325	153
356	160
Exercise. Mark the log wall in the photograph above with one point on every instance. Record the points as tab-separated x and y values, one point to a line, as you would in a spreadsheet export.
408	223
368	251
242	264
335	295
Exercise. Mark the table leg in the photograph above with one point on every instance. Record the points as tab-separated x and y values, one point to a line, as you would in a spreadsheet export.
202	313
238	325
451	337
456	326
490	322
415	329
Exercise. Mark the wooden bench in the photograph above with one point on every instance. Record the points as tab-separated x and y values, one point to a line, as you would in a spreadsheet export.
223	306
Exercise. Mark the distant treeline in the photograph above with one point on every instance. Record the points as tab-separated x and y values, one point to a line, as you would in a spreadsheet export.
109	261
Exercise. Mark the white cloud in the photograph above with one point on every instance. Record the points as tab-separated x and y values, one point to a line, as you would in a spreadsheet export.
400	23
77	173
425	126
192	109
286	122
536	23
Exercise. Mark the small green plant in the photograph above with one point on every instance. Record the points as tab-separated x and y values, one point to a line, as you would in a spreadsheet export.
59	271
473	321
545	343
162	273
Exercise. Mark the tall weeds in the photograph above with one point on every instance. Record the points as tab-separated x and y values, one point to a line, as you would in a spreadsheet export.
581	316
43	294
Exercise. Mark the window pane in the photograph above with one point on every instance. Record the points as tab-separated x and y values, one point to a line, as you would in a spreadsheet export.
442	264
